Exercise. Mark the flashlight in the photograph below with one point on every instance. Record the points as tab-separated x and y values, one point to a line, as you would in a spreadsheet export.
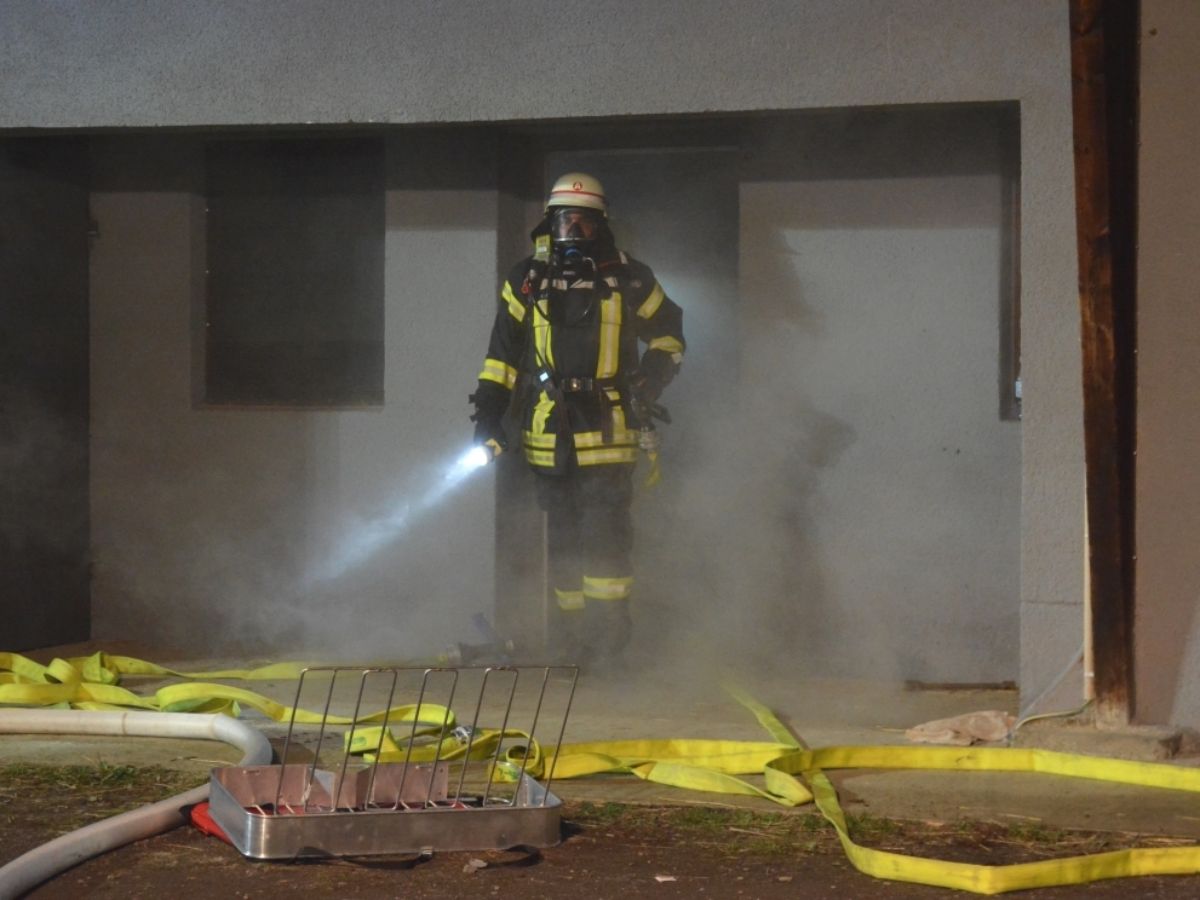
476	458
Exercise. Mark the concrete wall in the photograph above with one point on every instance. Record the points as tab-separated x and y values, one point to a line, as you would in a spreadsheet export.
1167	629
285	528
228	63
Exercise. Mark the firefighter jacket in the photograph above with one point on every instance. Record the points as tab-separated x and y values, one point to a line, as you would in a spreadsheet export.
566	338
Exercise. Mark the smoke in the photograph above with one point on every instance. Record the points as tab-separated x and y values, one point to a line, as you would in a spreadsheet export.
260	573
729	573
838	497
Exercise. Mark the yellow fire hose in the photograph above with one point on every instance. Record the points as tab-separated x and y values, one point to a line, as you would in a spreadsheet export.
793	774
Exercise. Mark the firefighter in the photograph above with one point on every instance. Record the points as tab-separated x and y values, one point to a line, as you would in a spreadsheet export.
566	341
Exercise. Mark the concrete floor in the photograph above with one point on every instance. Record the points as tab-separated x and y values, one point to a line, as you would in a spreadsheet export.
667	704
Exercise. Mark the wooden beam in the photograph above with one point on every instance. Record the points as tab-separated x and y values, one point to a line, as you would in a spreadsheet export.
1104	91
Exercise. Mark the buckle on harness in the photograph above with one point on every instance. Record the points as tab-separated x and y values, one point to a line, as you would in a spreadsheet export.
582	385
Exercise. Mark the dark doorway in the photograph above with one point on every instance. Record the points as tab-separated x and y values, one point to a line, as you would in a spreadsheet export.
44	584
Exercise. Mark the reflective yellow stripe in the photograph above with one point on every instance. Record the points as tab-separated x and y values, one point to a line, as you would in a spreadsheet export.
541	412
654	476
569	600
668	344
620	432
610	335
651	304
498	371
543	458
516	308
606	588
541	337
539	445
606	455
621	437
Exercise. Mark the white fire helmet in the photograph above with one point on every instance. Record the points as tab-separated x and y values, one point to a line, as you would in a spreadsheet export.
580	190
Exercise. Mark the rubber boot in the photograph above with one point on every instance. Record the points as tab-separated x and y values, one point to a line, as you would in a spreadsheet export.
609	631
567	629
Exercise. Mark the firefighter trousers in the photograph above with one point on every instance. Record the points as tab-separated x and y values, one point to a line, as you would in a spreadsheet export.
589	546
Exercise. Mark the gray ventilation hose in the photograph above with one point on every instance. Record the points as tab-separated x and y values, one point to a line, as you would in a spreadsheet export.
26	872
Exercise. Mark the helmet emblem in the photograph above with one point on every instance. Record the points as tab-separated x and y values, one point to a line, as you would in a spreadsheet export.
578	185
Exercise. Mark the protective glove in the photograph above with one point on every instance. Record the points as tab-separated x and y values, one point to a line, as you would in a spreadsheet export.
491	435
491	402
654	374
644	389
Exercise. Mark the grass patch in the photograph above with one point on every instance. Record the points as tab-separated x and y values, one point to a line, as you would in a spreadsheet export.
596	815
69	778
73	796
1034	833
865	828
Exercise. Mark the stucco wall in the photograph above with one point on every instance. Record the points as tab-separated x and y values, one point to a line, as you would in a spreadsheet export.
142	64
1167	628
871	260
284	527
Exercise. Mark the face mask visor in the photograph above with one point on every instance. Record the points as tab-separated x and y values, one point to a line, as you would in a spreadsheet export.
574	226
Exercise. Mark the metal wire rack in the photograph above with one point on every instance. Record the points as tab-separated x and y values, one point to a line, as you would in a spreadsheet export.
427	782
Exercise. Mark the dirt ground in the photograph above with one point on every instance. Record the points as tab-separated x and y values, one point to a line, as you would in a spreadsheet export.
609	851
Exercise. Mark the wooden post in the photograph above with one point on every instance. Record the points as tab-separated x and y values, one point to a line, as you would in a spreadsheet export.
1104	36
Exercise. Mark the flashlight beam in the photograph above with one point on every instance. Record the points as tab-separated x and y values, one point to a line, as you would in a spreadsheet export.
366	538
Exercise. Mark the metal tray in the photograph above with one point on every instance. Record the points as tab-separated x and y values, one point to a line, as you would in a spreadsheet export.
352	808
242	801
